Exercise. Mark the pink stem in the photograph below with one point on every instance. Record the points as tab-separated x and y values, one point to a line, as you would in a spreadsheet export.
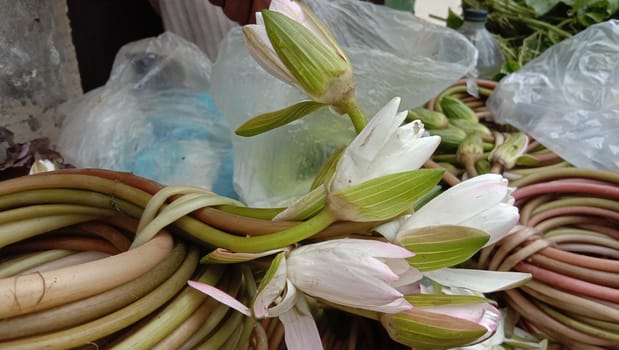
577	210
568	185
569	283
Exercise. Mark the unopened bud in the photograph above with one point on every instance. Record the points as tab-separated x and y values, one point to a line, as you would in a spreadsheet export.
508	153
430	119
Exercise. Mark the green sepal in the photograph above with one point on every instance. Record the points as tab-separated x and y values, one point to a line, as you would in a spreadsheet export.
421	329
384	197
271	272
471	127
271	120
306	206
271	286
328	168
441	246
430	300
310	61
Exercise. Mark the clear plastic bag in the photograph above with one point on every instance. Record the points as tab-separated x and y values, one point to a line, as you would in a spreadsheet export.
568	98
393	54
154	117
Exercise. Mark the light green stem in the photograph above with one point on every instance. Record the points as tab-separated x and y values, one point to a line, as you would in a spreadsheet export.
351	107
173	315
258	244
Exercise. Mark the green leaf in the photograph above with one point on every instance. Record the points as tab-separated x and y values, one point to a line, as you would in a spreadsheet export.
311	62
271	120
421	329
421	300
436	247
328	168
453	20
541	7
384	197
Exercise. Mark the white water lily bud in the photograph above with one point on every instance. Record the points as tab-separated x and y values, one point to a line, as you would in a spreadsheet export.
483	202
292	44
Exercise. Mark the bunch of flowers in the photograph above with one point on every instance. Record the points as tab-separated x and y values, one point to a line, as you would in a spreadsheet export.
376	237
417	233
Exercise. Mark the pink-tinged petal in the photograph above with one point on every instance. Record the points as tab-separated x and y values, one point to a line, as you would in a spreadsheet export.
300	331
352	272
364	246
484	314
220	296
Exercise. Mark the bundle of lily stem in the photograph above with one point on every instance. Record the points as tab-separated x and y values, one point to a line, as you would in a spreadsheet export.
568	240
74	227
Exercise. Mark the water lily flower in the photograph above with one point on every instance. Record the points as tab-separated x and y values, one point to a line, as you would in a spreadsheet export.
363	274
310	60
358	273
483	202
385	146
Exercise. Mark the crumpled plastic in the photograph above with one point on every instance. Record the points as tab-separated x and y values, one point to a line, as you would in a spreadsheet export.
393	54
568	98
154	117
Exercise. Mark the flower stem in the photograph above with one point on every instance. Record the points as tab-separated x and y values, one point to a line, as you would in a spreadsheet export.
351	107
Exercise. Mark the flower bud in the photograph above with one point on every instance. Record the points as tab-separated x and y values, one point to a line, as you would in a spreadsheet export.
508	153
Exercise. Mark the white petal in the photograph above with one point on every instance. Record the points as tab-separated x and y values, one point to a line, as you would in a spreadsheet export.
369	143
262	51
300	331
390	229
220	296
288	8
358	158
478	280
406	155
497	221
460	202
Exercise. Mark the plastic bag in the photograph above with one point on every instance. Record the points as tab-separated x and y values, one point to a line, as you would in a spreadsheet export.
154	117
568	98
393	54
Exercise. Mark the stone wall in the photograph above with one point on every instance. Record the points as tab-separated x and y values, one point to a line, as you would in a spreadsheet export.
38	68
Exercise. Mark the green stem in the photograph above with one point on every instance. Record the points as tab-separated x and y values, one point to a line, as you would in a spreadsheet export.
175	313
540	24
258	244
257	213
351	107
